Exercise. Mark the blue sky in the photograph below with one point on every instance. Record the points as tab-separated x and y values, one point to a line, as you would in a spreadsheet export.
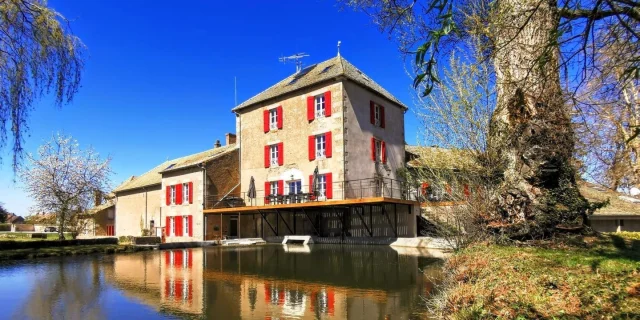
159	76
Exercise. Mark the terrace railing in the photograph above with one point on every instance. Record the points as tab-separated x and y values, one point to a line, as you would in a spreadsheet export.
341	190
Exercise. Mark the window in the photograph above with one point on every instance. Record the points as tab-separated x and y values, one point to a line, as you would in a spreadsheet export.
377	115
295	186
185	225
273	149
172	221
322	185
273	118
378	151
173	194
320	105
273	187
321	143
185	192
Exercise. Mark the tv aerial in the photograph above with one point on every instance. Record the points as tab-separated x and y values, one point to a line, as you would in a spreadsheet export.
296	58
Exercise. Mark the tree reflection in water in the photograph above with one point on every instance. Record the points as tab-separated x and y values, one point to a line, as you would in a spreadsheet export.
69	288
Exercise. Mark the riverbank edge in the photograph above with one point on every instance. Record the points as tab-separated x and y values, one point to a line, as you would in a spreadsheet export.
25	254
574	278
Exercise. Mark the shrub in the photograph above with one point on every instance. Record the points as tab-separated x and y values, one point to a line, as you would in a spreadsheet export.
12	245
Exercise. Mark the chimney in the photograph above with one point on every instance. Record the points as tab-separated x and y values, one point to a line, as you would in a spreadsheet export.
97	197
217	144
231	138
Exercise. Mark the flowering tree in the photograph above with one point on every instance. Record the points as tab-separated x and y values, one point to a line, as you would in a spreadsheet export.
62	179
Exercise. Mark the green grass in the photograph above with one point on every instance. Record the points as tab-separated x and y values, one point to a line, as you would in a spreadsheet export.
18	254
11	236
579	278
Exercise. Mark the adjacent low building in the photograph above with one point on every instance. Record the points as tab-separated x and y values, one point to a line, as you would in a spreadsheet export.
168	200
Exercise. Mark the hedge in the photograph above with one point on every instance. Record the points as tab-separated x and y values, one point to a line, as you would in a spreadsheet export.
11	245
5	227
146	240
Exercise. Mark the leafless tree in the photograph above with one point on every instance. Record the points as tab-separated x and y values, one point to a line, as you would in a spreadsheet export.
541	53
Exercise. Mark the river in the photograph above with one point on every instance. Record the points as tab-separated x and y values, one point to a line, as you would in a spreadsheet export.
257	282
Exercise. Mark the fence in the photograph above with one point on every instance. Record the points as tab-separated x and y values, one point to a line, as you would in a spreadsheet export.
295	192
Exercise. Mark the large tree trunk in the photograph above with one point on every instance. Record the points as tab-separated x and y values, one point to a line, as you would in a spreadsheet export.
530	131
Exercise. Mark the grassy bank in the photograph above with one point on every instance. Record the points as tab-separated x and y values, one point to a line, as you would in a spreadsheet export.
17	236
578	278
68	251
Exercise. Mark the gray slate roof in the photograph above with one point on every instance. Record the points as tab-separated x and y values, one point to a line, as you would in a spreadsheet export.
154	176
323	71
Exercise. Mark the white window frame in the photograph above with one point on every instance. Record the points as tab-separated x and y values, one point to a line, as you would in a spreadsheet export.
185	226
321	146
378	150
173	194
376	115
273	188
273	119
273	154
185	193
322	185
172	231
297	188
319	106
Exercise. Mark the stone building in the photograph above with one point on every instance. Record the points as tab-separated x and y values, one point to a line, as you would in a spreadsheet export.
331	117
170	197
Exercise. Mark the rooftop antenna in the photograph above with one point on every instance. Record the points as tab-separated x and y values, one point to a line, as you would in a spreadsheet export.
296	58
339	47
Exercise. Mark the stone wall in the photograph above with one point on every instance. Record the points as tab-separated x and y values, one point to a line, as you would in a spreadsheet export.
294	135
135	209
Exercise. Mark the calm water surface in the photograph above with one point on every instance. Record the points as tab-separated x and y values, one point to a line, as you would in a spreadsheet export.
258	282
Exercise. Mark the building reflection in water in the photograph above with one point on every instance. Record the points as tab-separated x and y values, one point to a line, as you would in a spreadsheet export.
275	282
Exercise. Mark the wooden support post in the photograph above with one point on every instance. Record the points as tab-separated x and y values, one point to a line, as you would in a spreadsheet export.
264	218
395	217
284	220
370	231
313	225
294	221
385	213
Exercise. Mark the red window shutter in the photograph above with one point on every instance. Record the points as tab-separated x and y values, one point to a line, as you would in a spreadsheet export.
190	192
467	193
328	152
381	117
329	179
310	108
168	201
179	193
373	149
267	191
267	156
167	227
281	153
266	120
312	148
190	226
279	116
372	112
310	183
280	187
327	104
384	152
178	263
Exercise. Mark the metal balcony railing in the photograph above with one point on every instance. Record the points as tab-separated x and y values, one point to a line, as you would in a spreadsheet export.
340	190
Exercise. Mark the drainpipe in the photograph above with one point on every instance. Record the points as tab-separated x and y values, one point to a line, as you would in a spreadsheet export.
203	166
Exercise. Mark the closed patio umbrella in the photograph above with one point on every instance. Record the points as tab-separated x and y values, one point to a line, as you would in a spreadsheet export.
314	184
251	194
